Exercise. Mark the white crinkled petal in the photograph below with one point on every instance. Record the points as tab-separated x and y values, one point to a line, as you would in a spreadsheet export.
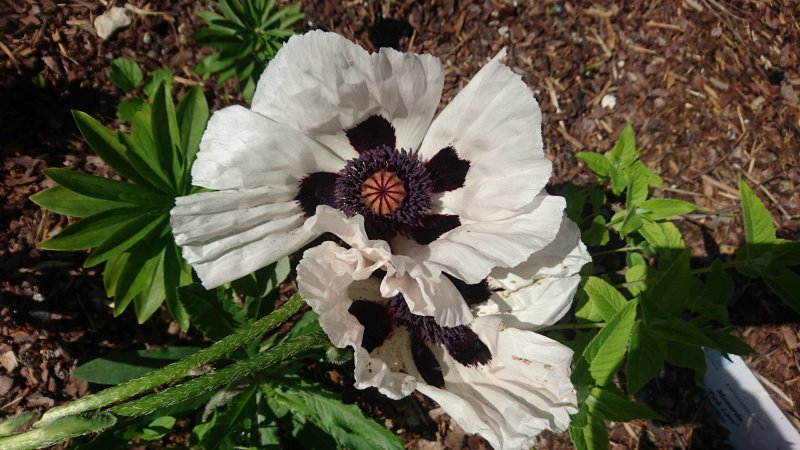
426	294
323	277
322	84
241	149
539	292
471	251
495	124
226	235
524	390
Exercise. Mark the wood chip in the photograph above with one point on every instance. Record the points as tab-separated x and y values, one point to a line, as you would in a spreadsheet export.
9	361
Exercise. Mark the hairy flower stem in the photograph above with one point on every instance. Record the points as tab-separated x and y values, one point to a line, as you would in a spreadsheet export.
201	385
178	369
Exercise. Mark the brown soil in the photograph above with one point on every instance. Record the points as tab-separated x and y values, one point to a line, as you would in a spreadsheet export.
711	90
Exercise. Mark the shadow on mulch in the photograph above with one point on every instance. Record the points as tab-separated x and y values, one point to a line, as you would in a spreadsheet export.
38	115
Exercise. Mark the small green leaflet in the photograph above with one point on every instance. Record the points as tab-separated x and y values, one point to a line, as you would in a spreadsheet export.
758	227
607	350
125	74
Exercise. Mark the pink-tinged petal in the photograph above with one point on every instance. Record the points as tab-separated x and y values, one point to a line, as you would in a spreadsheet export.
321	84
495	124
471	251
539	292
523	391
226	235
241	149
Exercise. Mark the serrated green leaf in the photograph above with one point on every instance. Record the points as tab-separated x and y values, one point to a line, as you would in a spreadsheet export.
596	162
207	310
670	287
662	235
157	428
607	299
786	284
758	228
678	330
588	432
125	74
345	423
619	181
688	357
118	368
613	406
61	200
624	152
92	231
135	230
637	187
646	356
632	222
718	289
607	350
725	342
105	189
664	208
597	233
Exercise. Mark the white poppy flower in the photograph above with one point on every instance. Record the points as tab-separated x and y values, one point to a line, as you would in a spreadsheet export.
495	378
332	124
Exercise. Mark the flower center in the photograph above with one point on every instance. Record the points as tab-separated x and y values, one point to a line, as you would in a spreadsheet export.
383	192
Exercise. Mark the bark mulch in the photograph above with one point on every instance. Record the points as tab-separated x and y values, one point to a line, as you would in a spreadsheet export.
711	88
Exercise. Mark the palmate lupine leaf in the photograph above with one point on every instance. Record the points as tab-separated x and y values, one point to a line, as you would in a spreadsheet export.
247	35
127	223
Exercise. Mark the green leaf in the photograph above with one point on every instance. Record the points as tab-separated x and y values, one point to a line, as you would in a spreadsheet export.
678	330
157	428
662	235
596	162
631	222
132	232
688	357
207	310
636	278
664	208
588	432
718	289
725	342
129	107
157	78
230	418
616	407
619	181
597	233
192	115
607	350
147	165
93	230
120	367
786	284
607	299
138	270
61	200
624	152
105	143
125	74
166	135
177	273
153	294
105	189
345	423
647	354
637	187
758	227
671	287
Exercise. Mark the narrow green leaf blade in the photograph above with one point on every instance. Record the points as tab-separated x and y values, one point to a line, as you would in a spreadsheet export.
135	230
61	200
165	132
91	231
103	188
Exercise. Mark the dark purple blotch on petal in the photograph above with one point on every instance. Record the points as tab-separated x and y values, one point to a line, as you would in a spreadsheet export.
376	320
447	170
473	294
426	362
373	132
317	189
465	346
432	227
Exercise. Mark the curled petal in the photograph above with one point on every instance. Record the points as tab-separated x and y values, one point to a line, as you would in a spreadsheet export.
523	391
539	292
321	84
324	276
